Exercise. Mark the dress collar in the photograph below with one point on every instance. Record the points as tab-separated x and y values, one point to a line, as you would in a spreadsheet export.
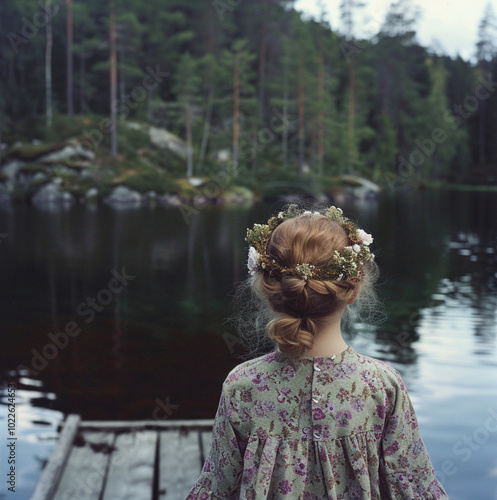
345	355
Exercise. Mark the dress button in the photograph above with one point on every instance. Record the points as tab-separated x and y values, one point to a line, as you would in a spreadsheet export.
315	400
317	435
316	367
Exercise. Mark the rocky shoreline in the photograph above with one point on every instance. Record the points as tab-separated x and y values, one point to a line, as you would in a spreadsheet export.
75	171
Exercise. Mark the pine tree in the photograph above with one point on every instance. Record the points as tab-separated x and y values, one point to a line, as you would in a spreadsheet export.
48	65
113	80
486	51
186	87
69	59
237	68
347	8
440	153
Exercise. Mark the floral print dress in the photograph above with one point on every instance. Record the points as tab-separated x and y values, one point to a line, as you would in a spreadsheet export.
333	427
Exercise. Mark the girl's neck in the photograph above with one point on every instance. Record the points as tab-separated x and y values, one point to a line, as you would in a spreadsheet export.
328	341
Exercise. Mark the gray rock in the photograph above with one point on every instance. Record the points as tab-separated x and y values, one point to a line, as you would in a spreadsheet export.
162	138
92	193
50	194
76	151
170	200
61	171
86	173
39	177
360	187
196	181
165	140
122	195
11	168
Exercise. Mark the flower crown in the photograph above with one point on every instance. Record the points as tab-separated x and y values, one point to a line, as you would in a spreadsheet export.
346	265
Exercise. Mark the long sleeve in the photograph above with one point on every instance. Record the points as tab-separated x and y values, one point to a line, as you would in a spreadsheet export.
221	474
406	470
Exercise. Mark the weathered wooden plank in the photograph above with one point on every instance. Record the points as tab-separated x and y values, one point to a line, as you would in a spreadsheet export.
206	438
146	424
53	469
131	469
179	463
84	473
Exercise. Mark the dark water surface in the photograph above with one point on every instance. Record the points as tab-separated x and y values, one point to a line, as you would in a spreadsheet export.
112	314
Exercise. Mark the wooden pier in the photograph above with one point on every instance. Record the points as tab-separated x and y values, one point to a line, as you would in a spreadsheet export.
135	460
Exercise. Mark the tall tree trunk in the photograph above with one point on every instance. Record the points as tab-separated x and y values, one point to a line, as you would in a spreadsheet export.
236	114
254	161
301	111
48	67
262	67
211	38
69	60
189	142
321	114
82	85
122	77
150	99
352	150
212	32
482	125
113	82
481	134
206	130
284	135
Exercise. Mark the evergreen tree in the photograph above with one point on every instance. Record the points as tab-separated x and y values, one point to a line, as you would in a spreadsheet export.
69	59
48	65
237	69
344	104
186	87
485	53
440	146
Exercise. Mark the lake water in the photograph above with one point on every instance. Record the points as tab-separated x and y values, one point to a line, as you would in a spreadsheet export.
160	283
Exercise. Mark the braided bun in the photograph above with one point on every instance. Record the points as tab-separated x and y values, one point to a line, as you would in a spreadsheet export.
302	307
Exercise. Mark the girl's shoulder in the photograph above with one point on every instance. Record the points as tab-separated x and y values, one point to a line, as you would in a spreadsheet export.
251	367
381	369
365	370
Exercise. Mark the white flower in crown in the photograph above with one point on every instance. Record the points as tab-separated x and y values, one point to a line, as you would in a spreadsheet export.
253	260
366	238
356	248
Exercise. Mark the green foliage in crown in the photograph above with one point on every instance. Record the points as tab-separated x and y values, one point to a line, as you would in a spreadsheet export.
346	265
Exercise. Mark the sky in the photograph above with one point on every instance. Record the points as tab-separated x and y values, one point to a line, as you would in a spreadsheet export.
448	26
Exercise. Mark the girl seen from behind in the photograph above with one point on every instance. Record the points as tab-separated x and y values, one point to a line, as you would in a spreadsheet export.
313	419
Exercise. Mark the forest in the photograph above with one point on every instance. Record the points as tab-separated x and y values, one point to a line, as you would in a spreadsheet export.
249	86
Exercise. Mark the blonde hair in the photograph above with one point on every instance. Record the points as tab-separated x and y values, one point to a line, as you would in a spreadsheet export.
295	309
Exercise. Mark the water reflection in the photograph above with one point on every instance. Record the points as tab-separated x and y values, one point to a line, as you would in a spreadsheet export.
162	336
